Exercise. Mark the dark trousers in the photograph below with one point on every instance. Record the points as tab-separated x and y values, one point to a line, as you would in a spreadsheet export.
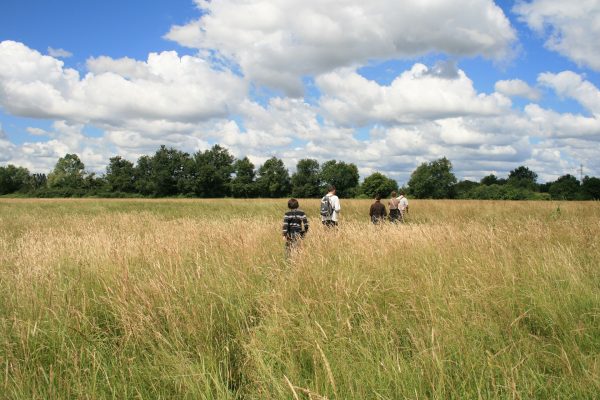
394	215
376	219
330	223
291	244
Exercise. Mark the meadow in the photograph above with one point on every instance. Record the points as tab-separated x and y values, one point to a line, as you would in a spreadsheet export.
194	299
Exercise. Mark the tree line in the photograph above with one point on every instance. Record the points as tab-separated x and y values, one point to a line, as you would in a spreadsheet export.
435	180
215	173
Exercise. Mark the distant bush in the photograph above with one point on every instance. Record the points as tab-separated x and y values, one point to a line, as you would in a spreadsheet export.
53	192
503	192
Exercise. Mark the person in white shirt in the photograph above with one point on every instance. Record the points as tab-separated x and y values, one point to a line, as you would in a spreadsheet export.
331	219
403	206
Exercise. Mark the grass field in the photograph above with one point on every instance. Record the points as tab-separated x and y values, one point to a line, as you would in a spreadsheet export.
194	299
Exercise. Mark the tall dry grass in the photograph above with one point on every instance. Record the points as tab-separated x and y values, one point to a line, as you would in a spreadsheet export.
162	299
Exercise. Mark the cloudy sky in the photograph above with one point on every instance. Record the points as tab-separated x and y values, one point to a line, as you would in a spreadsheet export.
386	84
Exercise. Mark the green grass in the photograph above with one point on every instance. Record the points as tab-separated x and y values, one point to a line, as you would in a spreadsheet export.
194	299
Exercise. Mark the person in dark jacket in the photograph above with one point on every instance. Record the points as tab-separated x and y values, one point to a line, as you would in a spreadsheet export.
295	225
377	211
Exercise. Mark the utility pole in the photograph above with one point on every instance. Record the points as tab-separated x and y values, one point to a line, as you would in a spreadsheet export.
581	173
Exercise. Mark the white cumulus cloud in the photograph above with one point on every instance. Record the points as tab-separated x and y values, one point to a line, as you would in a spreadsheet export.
64	138
6	146
572	85
571	28
37	131
517	87
417	94
275	42
555	124
59	53
165	87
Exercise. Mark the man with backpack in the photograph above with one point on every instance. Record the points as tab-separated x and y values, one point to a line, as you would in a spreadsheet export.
330	207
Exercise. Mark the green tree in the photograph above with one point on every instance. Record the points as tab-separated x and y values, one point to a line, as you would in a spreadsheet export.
94	184
590	188
120	175
433	180
143	182
168	171
13	179
343	176
68	173
488	180
378	184
462	189
243	184
523	177
212	169
545	187
306	181
37	181
565	188
487	192
273	179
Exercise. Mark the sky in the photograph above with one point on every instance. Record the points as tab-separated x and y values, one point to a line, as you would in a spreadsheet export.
385	84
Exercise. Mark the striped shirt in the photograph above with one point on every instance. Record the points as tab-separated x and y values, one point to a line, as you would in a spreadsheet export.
292	224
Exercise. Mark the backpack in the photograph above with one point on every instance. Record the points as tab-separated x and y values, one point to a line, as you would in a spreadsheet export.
326	207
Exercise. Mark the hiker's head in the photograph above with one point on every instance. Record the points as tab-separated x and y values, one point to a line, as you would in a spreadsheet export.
331	189
402	193
293	204
377	197
394	194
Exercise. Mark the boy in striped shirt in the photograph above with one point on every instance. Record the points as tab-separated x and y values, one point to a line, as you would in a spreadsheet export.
295	225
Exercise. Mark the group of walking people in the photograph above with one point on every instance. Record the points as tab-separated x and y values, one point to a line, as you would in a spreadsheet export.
295	221
398	209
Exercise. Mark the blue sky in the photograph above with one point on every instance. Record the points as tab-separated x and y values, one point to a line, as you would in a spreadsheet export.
489	85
